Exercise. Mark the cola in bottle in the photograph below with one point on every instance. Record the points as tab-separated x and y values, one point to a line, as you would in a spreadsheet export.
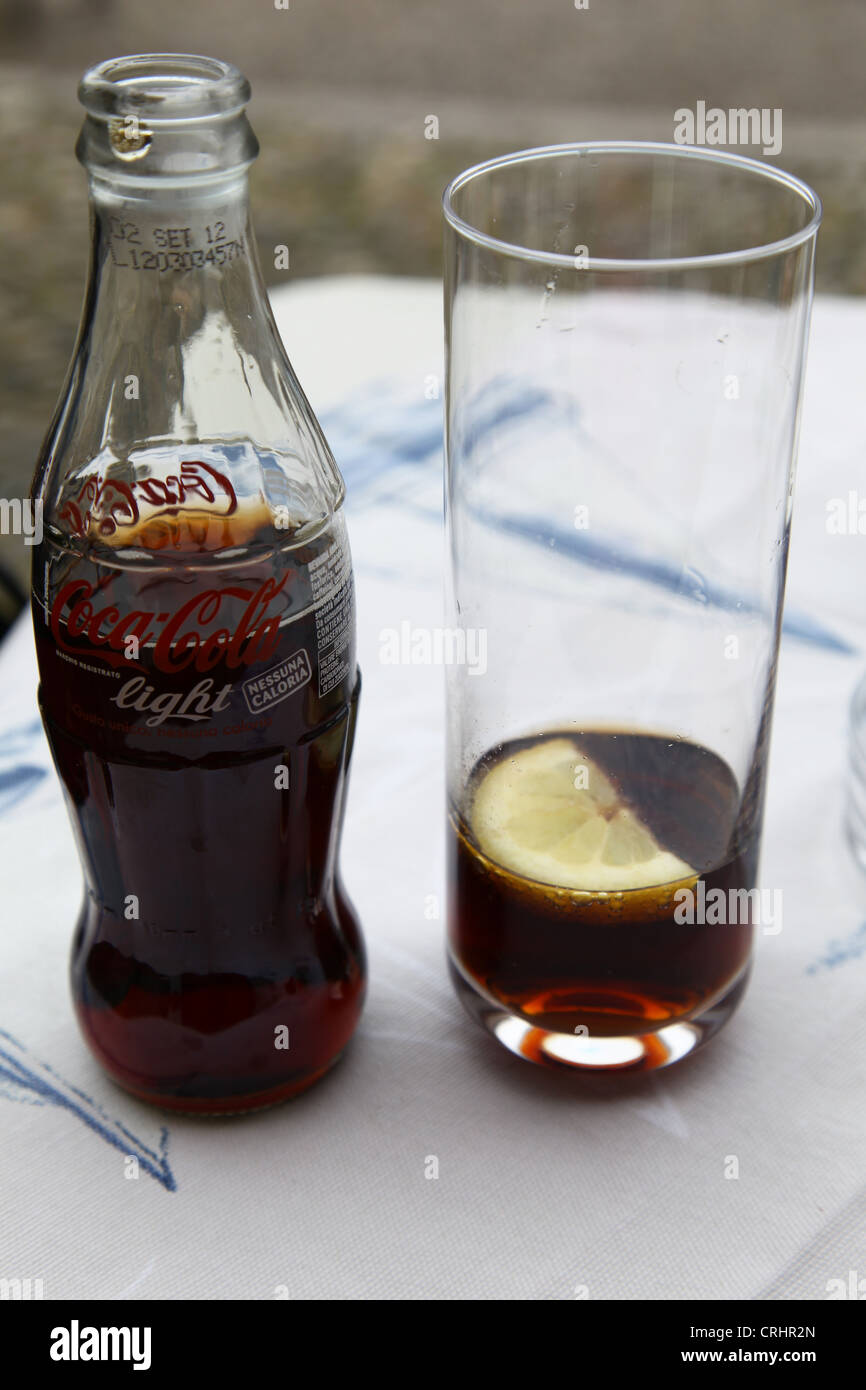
193	606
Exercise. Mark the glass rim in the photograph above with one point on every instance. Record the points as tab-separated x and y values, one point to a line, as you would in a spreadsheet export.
560	260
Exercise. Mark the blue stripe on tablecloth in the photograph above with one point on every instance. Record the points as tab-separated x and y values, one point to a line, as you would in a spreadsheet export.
371	437
382	433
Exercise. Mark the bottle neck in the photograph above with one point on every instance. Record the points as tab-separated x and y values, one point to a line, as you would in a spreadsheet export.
178	373
185	249
177	340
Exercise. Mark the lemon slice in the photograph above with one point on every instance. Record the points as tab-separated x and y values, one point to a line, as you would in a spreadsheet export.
549	813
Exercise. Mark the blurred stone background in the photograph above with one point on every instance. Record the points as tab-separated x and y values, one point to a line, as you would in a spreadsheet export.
347	179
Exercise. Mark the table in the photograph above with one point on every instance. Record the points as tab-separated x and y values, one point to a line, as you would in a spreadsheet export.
613	1187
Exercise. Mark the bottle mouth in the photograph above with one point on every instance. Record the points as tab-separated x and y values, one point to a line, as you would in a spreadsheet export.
176	116
164	88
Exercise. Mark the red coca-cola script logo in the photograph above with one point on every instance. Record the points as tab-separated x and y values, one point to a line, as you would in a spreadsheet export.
185	638
104	505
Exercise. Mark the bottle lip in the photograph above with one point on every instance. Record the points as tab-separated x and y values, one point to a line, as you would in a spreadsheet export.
164	88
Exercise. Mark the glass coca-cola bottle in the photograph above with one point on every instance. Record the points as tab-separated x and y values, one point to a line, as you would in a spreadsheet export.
193	606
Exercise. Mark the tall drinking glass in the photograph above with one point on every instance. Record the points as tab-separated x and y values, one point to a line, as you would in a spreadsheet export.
626	333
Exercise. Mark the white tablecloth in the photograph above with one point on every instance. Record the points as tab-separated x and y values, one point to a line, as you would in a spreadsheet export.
613	1187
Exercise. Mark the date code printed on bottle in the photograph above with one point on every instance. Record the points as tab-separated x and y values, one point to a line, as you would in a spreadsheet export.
334	597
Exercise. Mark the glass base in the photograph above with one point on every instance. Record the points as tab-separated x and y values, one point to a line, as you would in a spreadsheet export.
629	1052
